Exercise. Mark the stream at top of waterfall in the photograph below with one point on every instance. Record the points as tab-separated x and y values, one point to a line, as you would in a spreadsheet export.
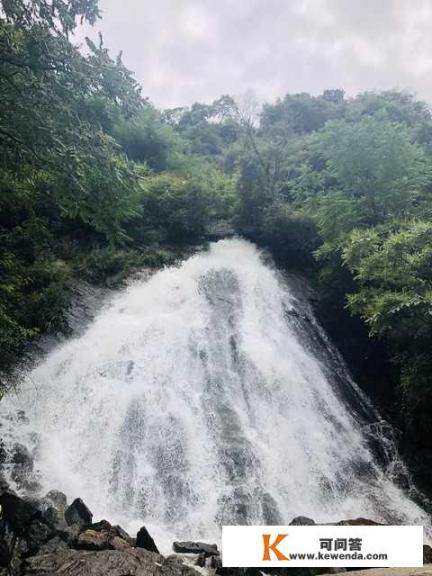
208	395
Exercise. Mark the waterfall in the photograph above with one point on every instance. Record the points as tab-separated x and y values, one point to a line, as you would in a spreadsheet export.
208	395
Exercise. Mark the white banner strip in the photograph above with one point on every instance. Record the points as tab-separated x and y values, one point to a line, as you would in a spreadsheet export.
329	546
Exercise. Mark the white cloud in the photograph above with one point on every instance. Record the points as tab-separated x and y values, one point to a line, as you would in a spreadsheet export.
188	50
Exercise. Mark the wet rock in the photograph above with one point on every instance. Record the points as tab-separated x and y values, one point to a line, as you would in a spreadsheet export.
78	513
19	549
215	562
101	525
103	536
124	535
204	561
17	512
52	516
69	533
93	540
4	553
427	554
57	499
144	540
195	548
358	522
117	543
302	521
113	531
55	544
38	533
133	562
175	566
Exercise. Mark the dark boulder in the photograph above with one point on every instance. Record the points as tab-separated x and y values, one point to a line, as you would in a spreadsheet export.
215	562
93	540
37	533
57	500
118	530
53	506
144	540
104	525
18	513
302	521
103	536
101	525
117	543
175	566
201	560
427	554
52	516
358	522
5	555
78	513
195	548
70	534
53	545
18	550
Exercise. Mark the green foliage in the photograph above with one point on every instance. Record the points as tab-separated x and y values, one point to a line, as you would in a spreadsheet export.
146	138
180	207
94	181
57	15
290	234
350	181
300	114
393	269
376	165
416	387
111	266
398	108
209	128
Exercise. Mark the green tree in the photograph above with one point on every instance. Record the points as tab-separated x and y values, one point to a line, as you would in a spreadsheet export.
63	179
392	267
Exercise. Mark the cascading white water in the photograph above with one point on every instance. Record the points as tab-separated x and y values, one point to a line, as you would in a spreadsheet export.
193	400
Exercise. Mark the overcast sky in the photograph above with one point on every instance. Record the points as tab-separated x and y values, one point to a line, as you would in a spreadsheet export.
184	51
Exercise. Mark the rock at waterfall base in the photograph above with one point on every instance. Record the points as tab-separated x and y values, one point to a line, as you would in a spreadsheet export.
145	541
133	562
78	513
195	548
18	513
103	536
302	521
